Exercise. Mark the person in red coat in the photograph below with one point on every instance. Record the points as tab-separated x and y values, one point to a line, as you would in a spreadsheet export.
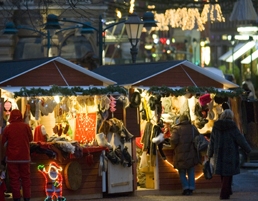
16	138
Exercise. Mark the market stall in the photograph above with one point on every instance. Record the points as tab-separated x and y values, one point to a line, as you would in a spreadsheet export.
67	120
166	90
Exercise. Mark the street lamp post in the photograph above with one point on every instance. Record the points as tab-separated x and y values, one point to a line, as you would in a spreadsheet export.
233	49
194	50
133	25
10	28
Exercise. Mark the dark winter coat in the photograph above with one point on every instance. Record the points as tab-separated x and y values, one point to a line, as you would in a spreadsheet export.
185	155
224	146
18	136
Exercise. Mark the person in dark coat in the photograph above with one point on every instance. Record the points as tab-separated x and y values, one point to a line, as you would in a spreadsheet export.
17	137
185	156
224	145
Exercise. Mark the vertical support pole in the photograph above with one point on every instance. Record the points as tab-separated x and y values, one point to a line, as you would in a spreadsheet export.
134	50
48	42
100	42
1	124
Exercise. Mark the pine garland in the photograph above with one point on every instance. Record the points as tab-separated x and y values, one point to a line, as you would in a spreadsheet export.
166	91
73	91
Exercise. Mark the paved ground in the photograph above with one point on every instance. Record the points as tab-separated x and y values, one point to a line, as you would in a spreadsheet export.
245	188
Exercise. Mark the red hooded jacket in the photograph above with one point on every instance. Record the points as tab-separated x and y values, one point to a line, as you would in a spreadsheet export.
18	136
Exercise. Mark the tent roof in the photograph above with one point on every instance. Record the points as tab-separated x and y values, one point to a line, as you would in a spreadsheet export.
131	74
15	68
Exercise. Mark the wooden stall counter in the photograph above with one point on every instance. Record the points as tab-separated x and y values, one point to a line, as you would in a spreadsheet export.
80	176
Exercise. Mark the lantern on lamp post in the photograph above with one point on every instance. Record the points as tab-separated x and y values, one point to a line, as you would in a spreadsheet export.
134	27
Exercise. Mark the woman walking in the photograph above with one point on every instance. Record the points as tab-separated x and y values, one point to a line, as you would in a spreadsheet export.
224	146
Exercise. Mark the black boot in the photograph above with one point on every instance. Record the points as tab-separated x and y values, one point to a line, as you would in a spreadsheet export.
128	158
119	153
16	199
26	199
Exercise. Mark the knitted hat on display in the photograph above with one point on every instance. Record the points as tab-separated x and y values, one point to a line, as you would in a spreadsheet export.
204	99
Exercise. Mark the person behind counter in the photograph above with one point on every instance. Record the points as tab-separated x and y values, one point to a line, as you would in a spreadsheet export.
224	148
17	137
185	156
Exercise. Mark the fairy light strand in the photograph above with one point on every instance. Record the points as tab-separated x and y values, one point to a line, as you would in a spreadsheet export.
188	18
170	164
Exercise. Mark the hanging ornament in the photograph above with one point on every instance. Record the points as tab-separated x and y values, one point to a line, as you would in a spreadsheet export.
112	104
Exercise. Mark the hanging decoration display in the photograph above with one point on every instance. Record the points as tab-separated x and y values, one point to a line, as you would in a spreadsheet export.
53	181
112	104
85	127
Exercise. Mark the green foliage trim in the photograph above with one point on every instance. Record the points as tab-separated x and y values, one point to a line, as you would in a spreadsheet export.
73	91
164	90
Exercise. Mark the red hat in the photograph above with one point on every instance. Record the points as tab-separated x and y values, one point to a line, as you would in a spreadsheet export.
204	99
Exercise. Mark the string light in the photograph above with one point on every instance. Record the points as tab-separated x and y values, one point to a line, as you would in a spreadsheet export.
189	18
212	12
196	178
53	177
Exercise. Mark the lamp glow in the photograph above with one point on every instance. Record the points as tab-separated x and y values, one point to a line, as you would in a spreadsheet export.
248	60
247	29
196	178
241	51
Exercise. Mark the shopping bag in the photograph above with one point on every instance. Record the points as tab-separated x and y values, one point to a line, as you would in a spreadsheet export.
207	170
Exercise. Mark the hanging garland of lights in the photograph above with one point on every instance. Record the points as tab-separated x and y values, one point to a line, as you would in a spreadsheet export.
196	91
189	18
73	91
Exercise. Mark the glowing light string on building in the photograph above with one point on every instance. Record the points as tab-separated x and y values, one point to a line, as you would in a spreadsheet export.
196	178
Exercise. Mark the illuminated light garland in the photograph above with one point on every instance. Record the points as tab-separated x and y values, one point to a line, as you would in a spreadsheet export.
163	22
188	18
212	13
196	178
53	181
131	9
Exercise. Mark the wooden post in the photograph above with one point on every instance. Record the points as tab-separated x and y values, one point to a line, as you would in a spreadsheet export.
1	124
